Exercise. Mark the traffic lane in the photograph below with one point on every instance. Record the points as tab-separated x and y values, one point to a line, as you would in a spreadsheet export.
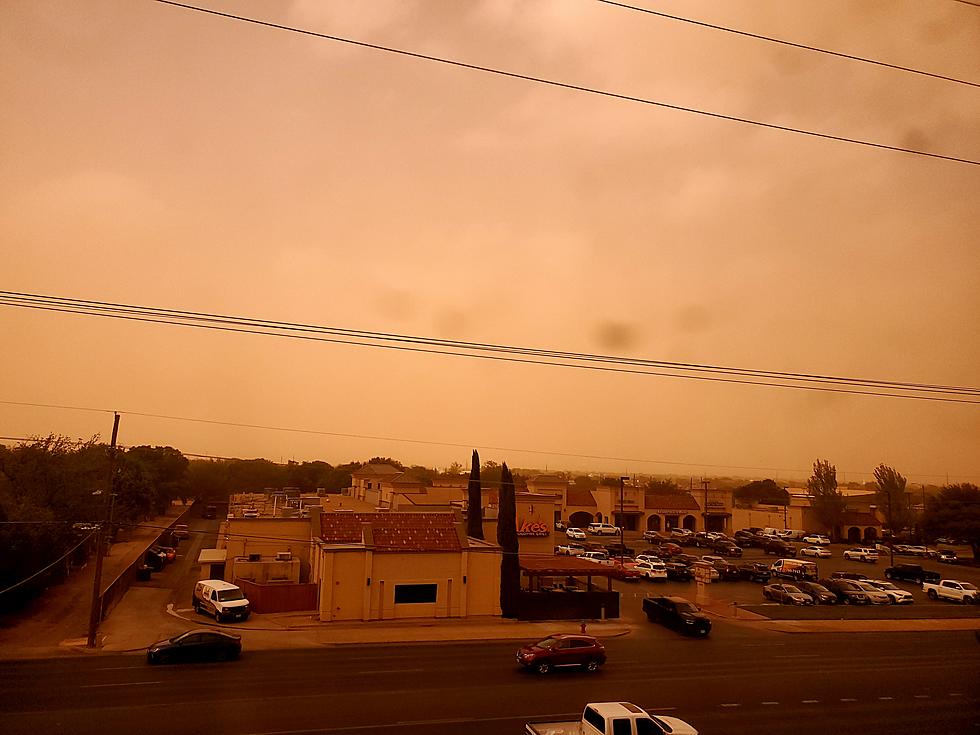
356	689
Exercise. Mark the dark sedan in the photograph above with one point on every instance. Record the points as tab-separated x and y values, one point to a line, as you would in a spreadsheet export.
754	572
560	651
677	613
820	594
196	645
726	548
847	591
686	559
677	572
786	594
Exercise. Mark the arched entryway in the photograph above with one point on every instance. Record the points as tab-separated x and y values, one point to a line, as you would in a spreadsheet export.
690	523
580	519
653	523
854	535
870	534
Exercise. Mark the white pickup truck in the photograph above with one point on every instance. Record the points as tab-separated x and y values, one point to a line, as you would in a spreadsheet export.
951	589
609	718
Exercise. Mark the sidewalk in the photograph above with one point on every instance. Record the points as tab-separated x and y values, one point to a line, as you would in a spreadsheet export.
58	619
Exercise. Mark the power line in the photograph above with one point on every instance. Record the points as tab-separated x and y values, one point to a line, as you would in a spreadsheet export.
402	440
567	85
42	571
793	44
502	353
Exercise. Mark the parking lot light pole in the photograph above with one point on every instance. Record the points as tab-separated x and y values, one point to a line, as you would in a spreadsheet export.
622	523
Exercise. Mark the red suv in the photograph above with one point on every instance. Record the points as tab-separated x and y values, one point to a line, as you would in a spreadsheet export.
557	651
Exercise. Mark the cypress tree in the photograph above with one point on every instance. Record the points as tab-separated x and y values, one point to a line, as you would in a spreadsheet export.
510	567
474	512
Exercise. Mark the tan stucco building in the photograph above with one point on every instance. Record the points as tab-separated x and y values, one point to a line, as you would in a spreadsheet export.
392	565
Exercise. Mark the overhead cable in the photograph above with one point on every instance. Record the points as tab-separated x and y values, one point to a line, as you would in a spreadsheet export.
570	86
793	44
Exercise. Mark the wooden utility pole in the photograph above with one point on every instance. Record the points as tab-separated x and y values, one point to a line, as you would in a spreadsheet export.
95	613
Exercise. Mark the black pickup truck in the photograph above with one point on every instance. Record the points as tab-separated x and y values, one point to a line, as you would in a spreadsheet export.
912	573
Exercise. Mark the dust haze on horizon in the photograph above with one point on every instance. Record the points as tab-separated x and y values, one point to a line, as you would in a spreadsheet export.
157	156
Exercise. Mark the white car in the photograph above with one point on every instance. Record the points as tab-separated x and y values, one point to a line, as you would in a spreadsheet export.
816	539
648	557
570	549
817	551
861	554
681	533
712	559
597	557
875	595
575	533
603	529
896	594
652	570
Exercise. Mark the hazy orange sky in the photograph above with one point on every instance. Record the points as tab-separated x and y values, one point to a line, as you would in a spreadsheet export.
156	156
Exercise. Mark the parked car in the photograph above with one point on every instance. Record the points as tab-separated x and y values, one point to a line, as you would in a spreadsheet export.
682	535
603	529
196	645
655	537
561	651
849	575
818	593
687	559
726	569
947	556
654	571
677	613
952	589
896	594
560	525
875	595
570	549
818	551
780	548
575	533
619	550
786	594
648	557
726	548
912	573
918	551
862	553
223	600
795	569
669	548
598	557
677	572
155	560
169	553
613	718
816	539
625	571
746	537
847	591
754	572
181	531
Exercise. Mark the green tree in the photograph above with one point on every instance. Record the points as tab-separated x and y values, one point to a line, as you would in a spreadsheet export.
474	505
166	469
666	486
763	492
826	500
510	566
892	498
955	512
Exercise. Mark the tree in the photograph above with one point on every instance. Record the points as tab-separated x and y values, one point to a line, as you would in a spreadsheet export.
510	566
663	487
892	498
954	512
827	501
474	505
763	492
166	469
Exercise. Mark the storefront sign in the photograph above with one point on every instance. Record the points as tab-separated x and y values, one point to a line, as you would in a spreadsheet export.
532	528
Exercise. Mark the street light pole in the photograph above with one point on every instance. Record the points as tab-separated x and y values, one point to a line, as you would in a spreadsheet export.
95	612
622	523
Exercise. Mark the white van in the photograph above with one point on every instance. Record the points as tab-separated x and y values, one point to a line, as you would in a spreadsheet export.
792	534
221	599
794	569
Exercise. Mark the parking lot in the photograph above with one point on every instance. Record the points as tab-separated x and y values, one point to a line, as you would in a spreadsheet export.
731	598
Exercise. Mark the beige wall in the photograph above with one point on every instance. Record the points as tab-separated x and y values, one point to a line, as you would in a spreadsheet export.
265	536
345	594
763	518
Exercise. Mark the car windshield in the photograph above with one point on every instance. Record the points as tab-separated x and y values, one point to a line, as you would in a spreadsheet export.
866	586
791	589
686	607
547	643
818	588
967	586
229	595
885	586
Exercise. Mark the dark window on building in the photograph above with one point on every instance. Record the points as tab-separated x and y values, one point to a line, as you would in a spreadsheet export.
415	593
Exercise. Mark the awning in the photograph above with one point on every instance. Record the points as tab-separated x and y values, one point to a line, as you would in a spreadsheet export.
212	556
564	566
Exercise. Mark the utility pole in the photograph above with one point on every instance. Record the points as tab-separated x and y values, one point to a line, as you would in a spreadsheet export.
704	511
95	614
891	546
622	523
785	509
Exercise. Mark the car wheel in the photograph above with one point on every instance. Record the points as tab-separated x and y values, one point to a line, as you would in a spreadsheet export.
847	600
218	617
918	580
933	595
542	667
592	665
888	575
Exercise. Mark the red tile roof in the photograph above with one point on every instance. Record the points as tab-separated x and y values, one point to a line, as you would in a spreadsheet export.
579	496
393	531
670	501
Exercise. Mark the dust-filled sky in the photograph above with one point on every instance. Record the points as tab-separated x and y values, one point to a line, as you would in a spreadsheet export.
156	156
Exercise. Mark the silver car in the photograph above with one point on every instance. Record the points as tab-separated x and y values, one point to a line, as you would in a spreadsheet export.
875	595
896	594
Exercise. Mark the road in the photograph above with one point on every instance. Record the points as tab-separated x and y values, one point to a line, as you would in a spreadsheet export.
735	682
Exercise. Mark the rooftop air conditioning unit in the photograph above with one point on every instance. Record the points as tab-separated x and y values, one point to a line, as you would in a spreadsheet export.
255	557
284	556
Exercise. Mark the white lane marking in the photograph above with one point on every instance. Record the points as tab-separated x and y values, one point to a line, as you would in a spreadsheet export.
119	668
920	696
956	694
390	671
802	655
811	701
770	703
731	705
848	699
885	699
124	684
